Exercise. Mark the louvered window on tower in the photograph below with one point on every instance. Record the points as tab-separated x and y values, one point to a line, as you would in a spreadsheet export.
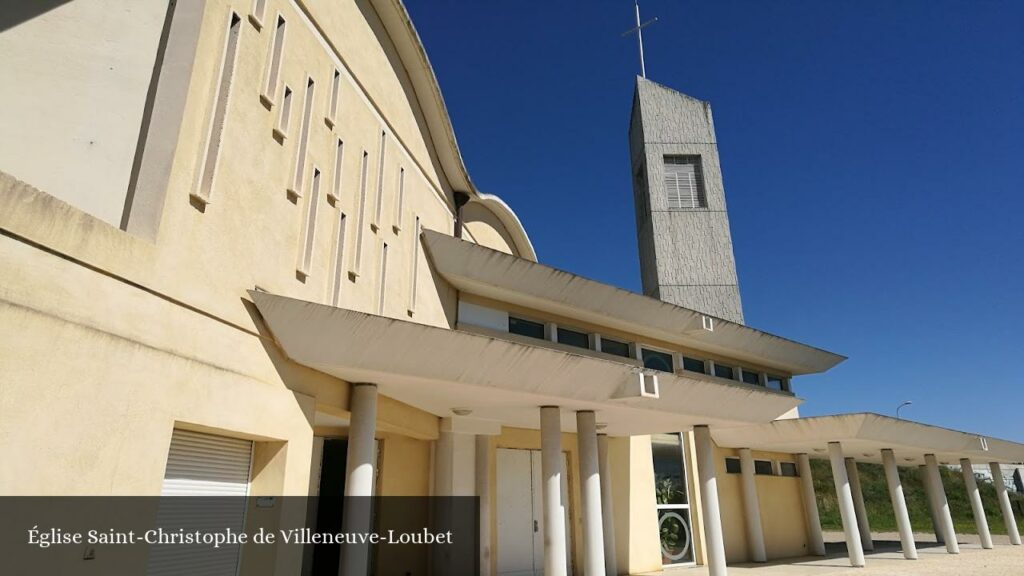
684	183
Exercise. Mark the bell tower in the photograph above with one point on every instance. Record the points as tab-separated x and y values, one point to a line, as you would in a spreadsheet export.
686	255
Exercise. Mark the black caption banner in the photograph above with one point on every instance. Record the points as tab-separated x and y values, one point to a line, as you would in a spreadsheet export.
246	536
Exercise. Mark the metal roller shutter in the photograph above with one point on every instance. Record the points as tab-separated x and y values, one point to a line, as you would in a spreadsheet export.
217	468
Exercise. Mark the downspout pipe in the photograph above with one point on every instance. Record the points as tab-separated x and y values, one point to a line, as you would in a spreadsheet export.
461	199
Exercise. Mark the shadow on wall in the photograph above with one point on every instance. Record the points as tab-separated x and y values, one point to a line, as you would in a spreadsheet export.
14	12
299	379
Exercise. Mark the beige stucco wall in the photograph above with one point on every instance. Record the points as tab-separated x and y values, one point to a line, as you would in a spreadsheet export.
121	339
71	124
637	545
781	504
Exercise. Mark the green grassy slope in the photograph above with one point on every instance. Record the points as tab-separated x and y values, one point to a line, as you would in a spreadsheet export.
880	515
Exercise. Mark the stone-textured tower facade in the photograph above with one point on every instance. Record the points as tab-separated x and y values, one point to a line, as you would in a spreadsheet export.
686	255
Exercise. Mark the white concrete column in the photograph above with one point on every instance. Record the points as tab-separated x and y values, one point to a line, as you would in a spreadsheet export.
455	465
362	427
590	493
846	510
359	465
444	458
713	538
858	505
607	511
483	491
551	474
899	504
971	483
815	539
752	508
931	506
938	498
1004	503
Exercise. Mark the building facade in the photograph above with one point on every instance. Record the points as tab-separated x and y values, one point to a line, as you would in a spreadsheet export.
241	254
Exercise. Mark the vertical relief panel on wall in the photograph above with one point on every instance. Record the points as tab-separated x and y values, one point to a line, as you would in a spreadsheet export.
379	205
295	190
332	104
383	278
334	195
218	115
414	272
361	215
338	274
399	201
259	11
274	63
308	236
284	120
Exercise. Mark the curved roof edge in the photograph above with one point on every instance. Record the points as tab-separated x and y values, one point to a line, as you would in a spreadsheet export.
512	223
410	48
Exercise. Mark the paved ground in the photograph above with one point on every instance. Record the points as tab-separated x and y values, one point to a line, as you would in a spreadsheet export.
887	560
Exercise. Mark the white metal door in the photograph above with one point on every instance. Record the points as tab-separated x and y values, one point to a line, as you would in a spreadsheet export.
520	513
203	465
515	513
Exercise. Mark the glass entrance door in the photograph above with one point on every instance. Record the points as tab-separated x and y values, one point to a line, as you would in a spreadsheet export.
672	499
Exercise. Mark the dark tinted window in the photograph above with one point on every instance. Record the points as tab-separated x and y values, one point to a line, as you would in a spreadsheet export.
751	377
763	467
788	469
669	470
614	347
693	365
724	371
525	327
732	465
657	360
573	338
776	382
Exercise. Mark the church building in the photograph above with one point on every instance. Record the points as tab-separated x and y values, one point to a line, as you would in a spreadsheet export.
241	254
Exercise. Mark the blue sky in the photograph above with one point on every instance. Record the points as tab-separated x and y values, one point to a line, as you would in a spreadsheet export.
873	154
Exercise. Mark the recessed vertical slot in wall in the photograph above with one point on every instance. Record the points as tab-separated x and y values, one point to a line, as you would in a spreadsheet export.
274	63
334	195
300	156
309	226
339	260
221	95
332	105
379	205
361	215
414	273
399	201
259	11
281	130
383	278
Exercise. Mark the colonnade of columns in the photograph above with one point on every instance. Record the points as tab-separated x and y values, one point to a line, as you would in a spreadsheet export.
595	495
853	510
598	537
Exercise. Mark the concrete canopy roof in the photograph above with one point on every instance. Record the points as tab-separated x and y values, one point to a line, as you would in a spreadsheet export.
479	270
864	435
437	369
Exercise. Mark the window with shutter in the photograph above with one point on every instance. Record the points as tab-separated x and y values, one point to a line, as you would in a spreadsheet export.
684	183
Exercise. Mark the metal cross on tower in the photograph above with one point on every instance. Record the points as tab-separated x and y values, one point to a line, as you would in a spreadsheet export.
639	29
